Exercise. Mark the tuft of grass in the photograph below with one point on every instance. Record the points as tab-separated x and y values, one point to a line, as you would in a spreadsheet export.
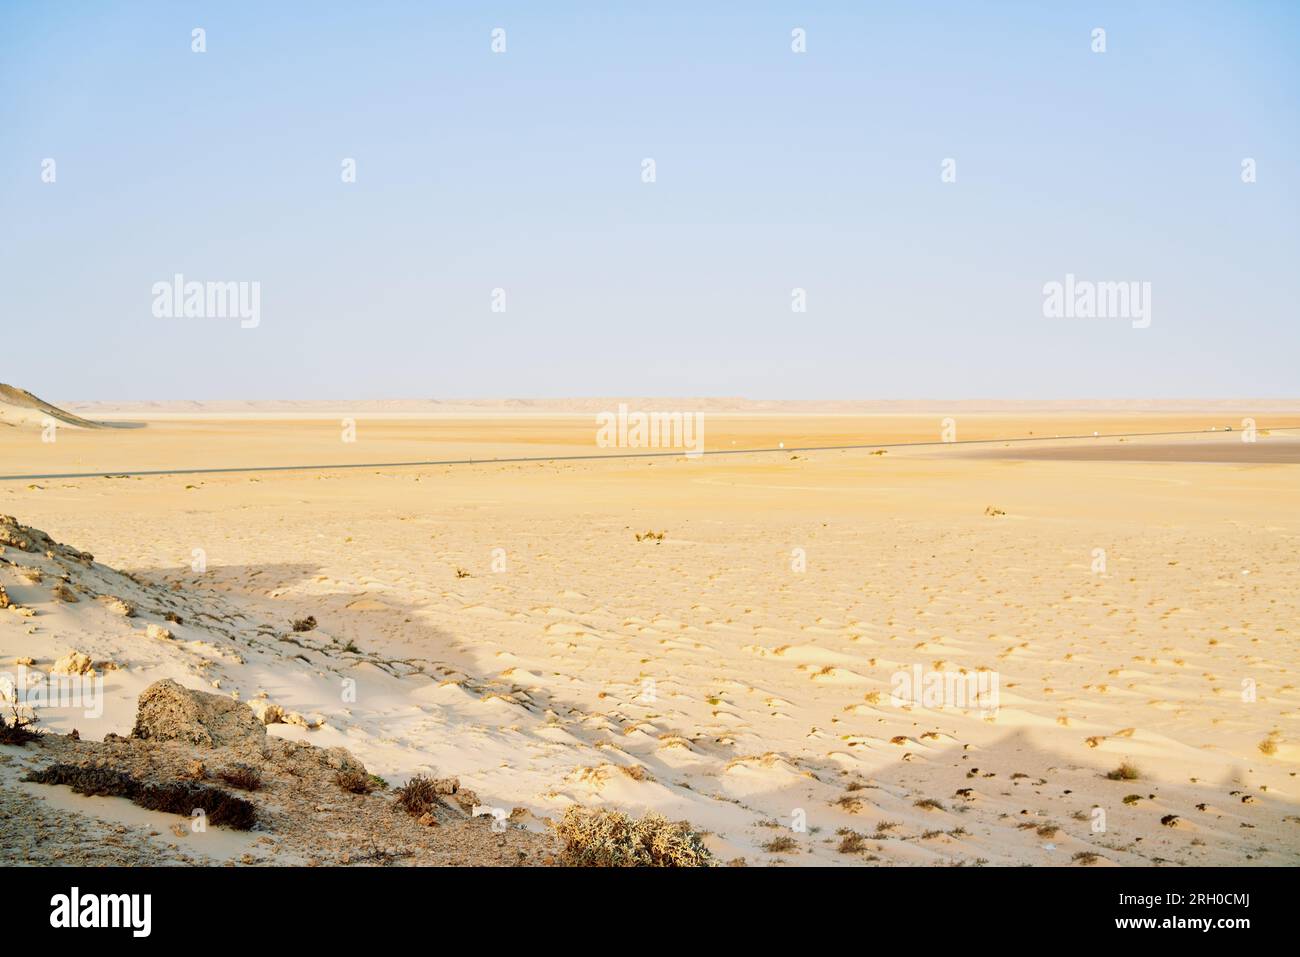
930	804
850	803
851	842
1268	747
1125	772
785	844
305	624
1086	857
355	782
601	838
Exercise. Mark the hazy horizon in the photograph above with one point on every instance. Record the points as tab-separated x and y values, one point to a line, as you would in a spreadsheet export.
775	170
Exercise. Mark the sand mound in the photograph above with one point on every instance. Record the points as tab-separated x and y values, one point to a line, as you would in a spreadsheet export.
18	407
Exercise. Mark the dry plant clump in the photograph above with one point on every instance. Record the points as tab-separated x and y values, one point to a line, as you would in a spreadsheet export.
355	782
18	732
851	842
242	776
785	844
601	838
1125	772
305	624
418	795
174	797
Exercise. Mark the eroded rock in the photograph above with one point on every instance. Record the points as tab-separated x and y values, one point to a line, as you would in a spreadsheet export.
169	712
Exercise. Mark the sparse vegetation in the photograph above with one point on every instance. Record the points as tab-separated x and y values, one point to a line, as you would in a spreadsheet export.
1086	857
651	536
417	795
355	782
241	776
851	842
18	729
785	844
1125	772
929	804
304	624
222	808
601	838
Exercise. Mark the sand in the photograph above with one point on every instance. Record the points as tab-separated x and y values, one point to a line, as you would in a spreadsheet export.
509	628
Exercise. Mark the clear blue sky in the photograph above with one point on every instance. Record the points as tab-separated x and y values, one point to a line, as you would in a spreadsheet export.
775	171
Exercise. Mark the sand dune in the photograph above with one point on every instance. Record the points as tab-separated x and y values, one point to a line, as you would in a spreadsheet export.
18	407
504	624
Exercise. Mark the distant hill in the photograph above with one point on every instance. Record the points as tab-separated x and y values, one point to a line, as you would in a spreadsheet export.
18	407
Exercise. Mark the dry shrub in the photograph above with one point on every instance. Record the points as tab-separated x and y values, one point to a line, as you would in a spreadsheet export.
600	838
785	844
305	624
242	776
356	782
851	842
174	797
182	797
417	795
1125	772
19	732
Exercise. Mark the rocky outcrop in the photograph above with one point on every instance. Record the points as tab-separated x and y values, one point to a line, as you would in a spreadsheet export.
169	712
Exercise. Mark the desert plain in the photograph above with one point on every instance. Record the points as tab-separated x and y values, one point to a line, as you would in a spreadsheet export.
715	638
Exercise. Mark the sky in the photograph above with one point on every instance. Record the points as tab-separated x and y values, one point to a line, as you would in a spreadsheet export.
774	170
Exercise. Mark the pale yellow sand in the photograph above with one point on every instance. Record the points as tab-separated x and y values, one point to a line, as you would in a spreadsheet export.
705	675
